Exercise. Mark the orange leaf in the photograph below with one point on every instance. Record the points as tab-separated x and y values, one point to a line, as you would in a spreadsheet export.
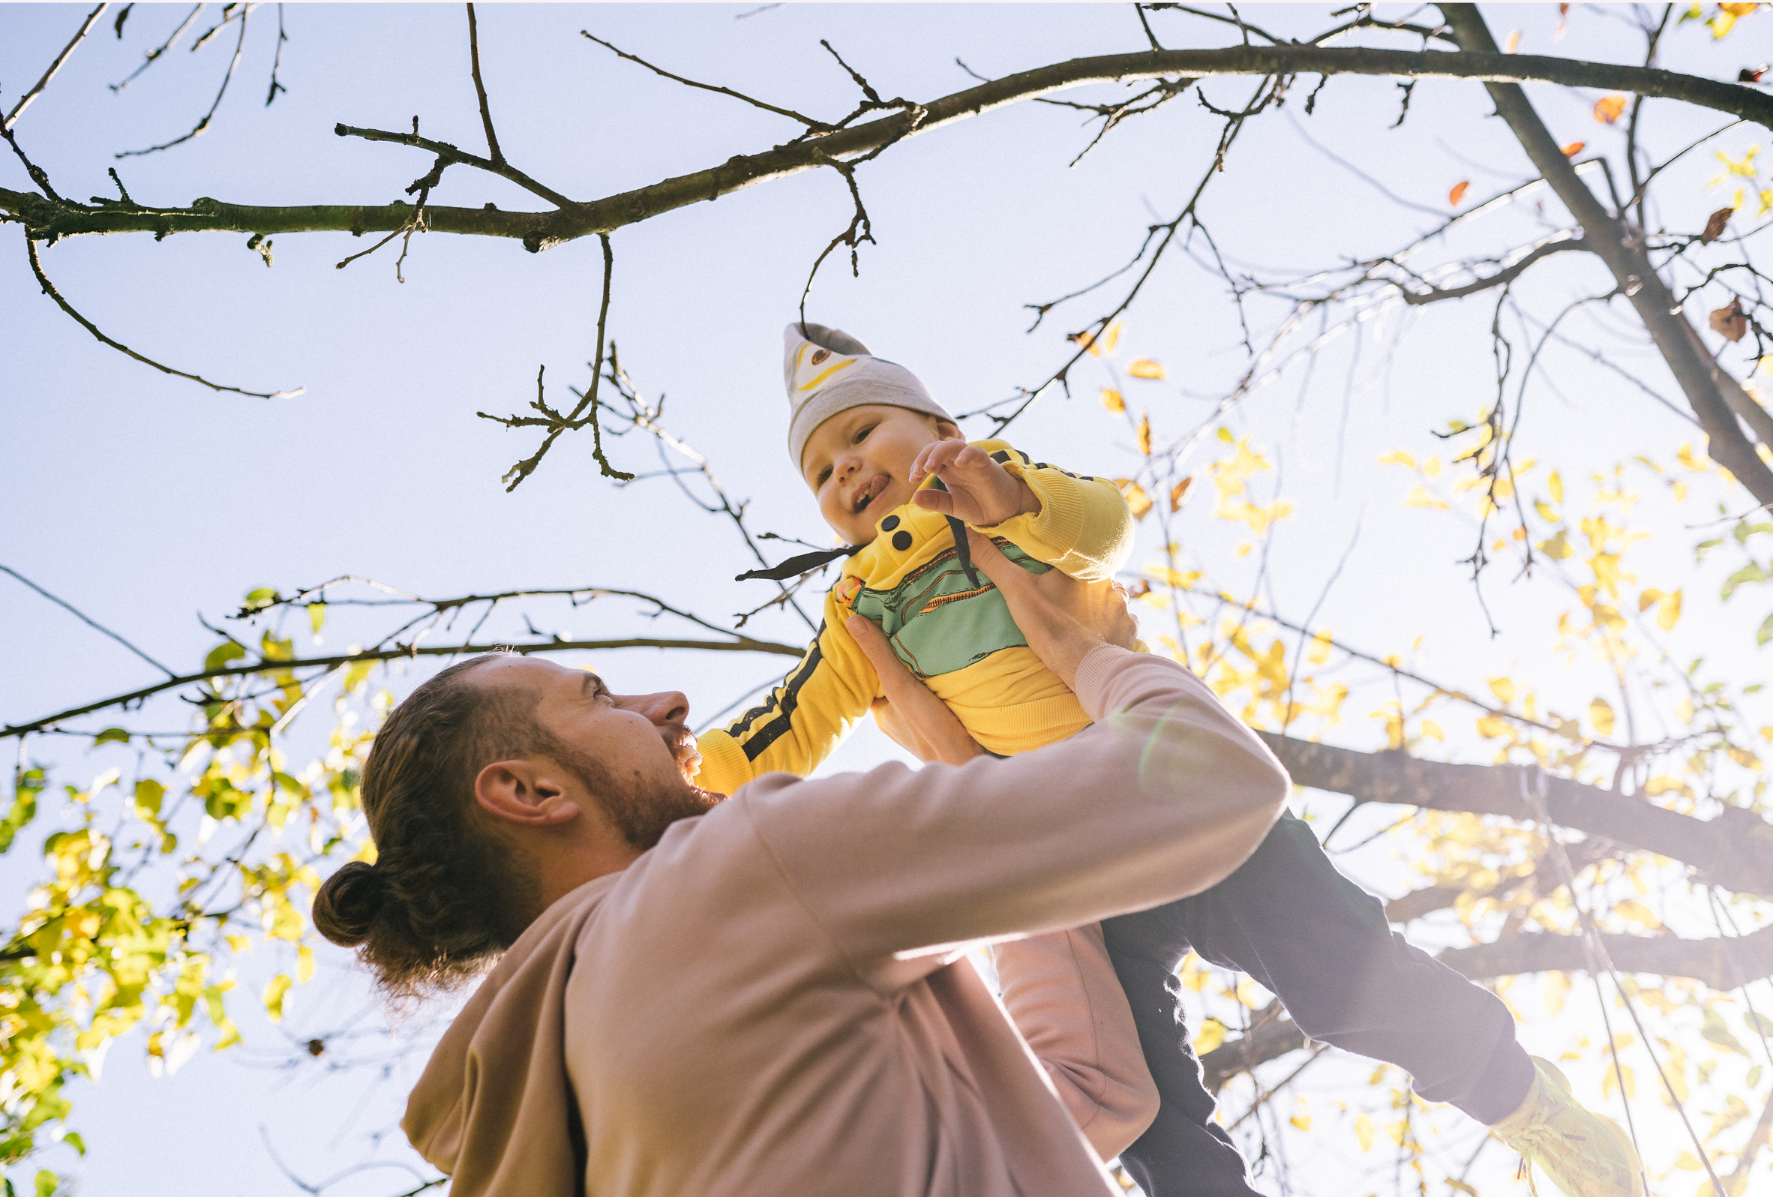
1574	148
1098	345
1137	499
1730	322
1513	43
1458	192
1714	225
1178	493
1145	368
1112	401
1145	435
1608	109
1738	10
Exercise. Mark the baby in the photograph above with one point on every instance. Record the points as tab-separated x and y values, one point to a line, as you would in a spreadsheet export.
896	480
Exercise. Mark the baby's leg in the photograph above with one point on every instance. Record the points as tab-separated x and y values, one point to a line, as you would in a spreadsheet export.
1324	947
1184	1153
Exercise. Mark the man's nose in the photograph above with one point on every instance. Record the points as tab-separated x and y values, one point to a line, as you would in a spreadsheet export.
664	708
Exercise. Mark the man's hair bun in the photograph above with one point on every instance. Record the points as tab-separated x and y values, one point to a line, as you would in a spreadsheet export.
349	903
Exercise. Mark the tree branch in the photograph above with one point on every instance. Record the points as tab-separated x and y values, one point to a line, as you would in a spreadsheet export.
544	230
89	326
1503	276
492	139
447	154
738	644
18	109
1728	850
1623	252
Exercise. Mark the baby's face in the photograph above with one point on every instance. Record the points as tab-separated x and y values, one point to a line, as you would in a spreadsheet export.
859	464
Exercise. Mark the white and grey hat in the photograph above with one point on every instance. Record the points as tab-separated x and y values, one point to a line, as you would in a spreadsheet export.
827	371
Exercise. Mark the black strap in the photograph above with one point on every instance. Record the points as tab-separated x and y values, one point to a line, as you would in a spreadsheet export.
964	551
795	566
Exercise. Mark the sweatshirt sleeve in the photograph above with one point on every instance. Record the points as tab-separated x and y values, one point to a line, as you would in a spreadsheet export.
1083	527
803	720
1064	996
1161	798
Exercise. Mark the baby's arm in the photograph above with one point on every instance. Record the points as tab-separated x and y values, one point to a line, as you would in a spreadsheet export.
1062	992
1078	524
802	721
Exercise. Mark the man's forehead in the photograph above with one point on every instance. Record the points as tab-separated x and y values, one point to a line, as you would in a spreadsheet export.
534	672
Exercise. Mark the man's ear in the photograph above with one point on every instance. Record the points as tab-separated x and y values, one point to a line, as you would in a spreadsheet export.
948	430
527	792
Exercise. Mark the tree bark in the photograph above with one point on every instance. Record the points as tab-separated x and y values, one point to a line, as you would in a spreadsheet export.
1623	251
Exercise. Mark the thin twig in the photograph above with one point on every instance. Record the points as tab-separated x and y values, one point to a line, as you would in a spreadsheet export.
492	139
86	619
18	109
816	126
89	326
239	44
163	48
277	61
448	154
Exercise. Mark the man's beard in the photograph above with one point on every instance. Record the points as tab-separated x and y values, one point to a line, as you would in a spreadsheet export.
640	809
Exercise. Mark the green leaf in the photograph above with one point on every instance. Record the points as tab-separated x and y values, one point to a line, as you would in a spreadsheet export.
148	795
1759	1022
316	616
111	735
47	1183
222	653
73	1139
1766	632
274	995
1752	572
264	596
1743	531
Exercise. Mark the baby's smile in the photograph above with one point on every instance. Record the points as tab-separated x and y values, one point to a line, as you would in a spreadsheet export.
870	491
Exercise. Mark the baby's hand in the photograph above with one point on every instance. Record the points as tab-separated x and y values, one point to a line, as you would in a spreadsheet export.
980	492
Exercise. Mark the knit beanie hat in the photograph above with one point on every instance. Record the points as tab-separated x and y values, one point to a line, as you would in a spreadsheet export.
827	372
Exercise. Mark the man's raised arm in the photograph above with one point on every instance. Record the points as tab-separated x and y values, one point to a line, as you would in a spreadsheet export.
1162	798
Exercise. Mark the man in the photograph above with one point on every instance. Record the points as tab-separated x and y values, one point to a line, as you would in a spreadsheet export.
764	994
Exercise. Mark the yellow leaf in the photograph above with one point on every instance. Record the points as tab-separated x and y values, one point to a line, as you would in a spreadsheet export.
1099	345
1137	499
1179	492
1513	42
1458	192
1608	109
1744	757
1432	730
1302	1121
238	943
1668	611
304	962
1419	497
1648	598
1557	548
1502	688
1689	1162
1210	1036
1600	713
1145	437
1112	401
1557	986
1319	652
1363	1132
1492	727
274	996
1398	457
1637	912
1546	512
1556	485
1144	367
1224	434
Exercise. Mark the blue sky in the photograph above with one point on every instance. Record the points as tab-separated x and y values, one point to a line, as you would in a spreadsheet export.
144	499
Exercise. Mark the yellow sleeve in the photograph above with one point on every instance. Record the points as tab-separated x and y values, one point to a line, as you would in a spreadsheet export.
1083	527
803	720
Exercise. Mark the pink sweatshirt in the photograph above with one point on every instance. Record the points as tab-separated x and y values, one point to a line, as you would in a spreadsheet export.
770	1001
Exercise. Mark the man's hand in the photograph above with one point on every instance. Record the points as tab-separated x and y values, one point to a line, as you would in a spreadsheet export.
980	492
915	719
1063	619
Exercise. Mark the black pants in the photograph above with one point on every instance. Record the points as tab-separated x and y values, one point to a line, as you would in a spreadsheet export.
1322	945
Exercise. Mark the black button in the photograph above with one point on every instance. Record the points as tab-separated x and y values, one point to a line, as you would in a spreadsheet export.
902	541
889	523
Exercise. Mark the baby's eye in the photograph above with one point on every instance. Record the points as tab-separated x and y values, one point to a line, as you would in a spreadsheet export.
862	434
823	475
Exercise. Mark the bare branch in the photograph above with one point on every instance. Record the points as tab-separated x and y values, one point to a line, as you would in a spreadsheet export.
448	154
492	139
86	619
239	44
816	126
1726	849
164	46
92	17
1722	964
89	326
277	60
738	644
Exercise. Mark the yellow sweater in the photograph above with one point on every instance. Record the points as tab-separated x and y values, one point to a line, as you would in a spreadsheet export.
960	640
